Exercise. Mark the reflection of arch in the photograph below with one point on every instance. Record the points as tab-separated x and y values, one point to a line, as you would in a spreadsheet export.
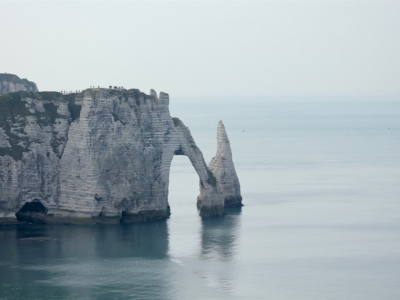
218	235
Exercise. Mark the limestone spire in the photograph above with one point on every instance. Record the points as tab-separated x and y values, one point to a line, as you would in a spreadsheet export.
223	145
224	170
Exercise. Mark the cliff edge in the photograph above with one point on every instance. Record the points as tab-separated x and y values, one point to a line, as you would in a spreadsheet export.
10	83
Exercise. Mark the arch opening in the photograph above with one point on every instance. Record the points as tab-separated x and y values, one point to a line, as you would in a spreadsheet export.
183	187
182	195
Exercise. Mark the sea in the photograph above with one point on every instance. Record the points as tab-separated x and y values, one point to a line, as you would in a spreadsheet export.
320	180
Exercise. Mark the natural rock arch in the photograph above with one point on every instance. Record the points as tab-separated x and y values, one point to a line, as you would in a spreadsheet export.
210	201
219	184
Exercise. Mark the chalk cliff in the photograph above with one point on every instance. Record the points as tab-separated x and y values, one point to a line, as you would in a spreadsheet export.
224	170
100	156
12	83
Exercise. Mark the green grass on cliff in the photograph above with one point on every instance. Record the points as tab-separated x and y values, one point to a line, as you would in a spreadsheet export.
12	113
13	118
136	94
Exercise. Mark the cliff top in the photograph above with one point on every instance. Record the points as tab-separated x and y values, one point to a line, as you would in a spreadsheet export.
52	95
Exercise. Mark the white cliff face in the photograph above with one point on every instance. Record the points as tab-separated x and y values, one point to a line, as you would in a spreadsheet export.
111	163
10	83
33	136
98	156
224	170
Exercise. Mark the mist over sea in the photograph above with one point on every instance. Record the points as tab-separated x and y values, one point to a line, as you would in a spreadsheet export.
320	181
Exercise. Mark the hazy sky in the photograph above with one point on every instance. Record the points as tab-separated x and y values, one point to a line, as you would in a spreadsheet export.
272	48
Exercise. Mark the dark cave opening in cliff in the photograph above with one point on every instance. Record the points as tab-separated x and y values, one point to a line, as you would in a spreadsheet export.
31	211
183	187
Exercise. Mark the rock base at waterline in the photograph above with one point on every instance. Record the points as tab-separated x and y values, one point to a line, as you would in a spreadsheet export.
142	216
213	211
146	216
232	202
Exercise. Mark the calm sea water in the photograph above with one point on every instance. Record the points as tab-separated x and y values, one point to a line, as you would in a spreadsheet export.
321	186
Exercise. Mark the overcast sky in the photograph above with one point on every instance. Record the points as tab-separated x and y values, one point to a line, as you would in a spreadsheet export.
273	48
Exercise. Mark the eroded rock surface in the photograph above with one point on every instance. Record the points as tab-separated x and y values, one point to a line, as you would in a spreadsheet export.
100	156
10	83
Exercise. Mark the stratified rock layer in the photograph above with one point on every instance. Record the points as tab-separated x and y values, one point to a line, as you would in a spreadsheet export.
101	156
10	83
224	170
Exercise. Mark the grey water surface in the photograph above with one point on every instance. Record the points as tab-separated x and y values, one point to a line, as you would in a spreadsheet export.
321	186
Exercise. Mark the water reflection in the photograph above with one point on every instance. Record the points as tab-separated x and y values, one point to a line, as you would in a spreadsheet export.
218	247
105	262
147	240
142	240
85	262
219	235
